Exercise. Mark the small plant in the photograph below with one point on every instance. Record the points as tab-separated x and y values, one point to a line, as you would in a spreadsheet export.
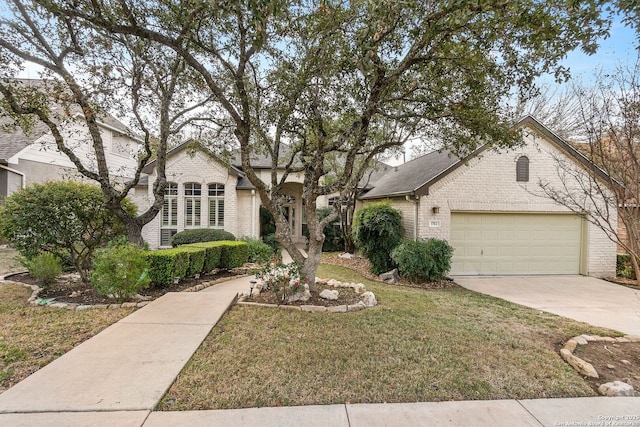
272	242
426	261
282	279
44	268
121	270
259	252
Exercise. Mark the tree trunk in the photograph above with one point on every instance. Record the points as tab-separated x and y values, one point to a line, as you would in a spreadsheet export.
134	232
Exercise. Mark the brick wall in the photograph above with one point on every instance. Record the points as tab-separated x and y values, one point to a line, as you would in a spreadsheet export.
197	168
488	184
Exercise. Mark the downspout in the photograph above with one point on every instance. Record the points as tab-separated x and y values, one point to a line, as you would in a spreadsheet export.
415	215
253	214
23	178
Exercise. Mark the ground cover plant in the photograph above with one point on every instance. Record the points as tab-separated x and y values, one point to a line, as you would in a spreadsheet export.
416	345
31	337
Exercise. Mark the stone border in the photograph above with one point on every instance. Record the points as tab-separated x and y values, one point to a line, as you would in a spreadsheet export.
308	308
581	366
358	288
35	300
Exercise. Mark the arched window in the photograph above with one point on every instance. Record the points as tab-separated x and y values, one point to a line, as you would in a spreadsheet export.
192	204
169	225
216	205
522	169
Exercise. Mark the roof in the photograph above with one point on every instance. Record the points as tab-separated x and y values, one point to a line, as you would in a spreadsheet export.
15	140
415	177
408	178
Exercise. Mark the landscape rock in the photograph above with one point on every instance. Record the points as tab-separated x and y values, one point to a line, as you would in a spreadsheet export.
329	294
369	299
571	345
337	309
300	296
625	362
333	282
355	307
390	276
616	388
580	340
610	366
583	368
346	255
313	308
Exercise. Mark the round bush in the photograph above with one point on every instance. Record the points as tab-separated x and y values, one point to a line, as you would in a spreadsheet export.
426	261
121	270
377	230
199	235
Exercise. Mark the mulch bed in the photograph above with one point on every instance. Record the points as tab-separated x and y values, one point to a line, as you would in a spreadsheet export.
346	296
362	266
69	288
607	358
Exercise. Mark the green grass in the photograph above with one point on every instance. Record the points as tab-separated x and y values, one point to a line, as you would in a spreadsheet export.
416	345
31	337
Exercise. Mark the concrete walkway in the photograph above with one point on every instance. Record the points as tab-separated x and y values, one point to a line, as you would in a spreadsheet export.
581	298
117	377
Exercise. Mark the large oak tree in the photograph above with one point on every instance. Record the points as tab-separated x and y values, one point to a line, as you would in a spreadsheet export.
323	83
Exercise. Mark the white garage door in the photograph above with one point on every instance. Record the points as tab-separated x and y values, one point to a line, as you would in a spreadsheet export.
490	243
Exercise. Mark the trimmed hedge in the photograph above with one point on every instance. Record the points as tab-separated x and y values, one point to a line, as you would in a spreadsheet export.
197	258
213	251
188	260
234	254
165	264
199	235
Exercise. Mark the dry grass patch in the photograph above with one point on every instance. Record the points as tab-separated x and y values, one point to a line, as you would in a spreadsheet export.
9	262
31	337
416	345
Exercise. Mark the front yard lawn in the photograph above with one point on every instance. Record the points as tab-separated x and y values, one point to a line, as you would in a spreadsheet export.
31	337
416	345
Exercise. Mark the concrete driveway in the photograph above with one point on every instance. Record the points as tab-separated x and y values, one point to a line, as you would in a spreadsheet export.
580	298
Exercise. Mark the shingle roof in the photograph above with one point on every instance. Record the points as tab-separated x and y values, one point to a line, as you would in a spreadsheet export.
411	176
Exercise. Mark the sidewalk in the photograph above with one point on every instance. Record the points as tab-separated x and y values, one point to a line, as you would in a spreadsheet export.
117	377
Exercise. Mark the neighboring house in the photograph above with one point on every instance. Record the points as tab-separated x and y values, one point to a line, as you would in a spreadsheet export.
490	208
33	157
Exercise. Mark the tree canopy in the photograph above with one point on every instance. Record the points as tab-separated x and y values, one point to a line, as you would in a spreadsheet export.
324	83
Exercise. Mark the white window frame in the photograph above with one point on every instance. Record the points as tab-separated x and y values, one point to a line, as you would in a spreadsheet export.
216	202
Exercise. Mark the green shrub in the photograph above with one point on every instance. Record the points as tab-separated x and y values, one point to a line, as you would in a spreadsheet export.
44	268
197	258
425	261
64	218
121	270
165	264
624	268
234	255
213	251
200	235
272	242
259	252
377	230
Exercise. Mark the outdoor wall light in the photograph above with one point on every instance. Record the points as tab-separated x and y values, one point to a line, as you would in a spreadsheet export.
435	209
252	284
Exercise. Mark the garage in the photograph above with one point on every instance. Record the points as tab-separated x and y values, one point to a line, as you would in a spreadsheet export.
522	243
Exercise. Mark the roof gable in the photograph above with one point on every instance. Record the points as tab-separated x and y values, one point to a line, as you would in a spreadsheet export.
414	177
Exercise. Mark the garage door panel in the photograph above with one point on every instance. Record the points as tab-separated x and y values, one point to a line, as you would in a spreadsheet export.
490	243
